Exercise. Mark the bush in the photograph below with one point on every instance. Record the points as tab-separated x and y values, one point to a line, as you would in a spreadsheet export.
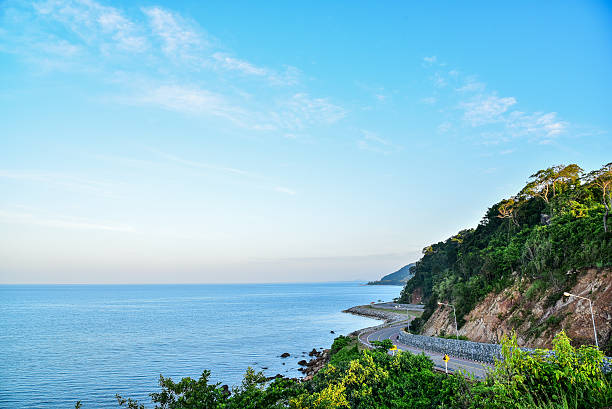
339	343
563	375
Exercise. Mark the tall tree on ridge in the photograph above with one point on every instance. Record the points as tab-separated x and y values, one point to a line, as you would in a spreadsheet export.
602	178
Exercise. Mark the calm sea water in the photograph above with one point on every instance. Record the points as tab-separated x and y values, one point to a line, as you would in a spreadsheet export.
59	344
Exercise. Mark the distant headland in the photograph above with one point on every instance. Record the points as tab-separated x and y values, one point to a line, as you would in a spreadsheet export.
400	277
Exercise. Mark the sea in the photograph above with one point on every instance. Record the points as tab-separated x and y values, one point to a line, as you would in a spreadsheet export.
64	343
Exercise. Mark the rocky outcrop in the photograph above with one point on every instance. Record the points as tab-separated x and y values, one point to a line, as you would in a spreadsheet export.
535	314
321	358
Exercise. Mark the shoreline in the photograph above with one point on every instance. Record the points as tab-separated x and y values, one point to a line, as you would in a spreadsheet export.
387	316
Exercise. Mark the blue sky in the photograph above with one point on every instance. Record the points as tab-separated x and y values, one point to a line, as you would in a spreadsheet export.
153	142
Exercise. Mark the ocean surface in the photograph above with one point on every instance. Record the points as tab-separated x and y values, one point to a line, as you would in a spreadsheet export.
63	343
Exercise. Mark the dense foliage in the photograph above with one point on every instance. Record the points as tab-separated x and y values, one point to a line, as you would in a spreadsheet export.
565	378
557	222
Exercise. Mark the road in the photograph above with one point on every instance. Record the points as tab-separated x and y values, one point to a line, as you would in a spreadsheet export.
477	369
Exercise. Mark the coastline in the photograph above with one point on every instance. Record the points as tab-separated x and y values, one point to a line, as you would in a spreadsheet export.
375	311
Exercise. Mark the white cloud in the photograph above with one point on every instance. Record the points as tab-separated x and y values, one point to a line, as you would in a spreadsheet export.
439	80
281	189
445	127
191	100
494	115
472	85
236	64
430	60
546	126
92	22
486	109
301	110
370	141
176	34
202	79
429	100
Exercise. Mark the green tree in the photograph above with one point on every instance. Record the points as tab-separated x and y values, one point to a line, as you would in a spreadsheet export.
602	178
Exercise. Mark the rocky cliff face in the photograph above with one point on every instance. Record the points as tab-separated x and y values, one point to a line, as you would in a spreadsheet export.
536	314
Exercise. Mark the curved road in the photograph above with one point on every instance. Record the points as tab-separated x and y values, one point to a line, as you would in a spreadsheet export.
478	369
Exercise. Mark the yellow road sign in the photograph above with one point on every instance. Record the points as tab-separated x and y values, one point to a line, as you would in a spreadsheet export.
393	348
446	358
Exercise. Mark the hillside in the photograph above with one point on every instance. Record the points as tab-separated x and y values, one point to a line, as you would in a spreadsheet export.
399	277
510	272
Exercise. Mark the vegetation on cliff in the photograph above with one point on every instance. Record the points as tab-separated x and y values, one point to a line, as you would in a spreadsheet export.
558	222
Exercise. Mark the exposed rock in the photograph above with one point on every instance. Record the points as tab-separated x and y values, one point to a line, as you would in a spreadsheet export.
314	352
285	355
302	362
331	332
315	365
535	322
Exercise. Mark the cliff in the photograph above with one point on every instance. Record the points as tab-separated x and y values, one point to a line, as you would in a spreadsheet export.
537	313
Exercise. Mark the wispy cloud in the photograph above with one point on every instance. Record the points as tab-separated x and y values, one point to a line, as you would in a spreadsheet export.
302	110
178	36
255	179
62	222
486	109
430	60
496	117
62	180
203	165
235	64
95	24
191	100
285	190
370	141
204	80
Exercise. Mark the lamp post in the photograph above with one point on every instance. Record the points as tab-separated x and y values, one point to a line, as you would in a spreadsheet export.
592	316
454	315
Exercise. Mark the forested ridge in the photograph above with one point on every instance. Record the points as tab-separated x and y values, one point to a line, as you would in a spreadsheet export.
558	222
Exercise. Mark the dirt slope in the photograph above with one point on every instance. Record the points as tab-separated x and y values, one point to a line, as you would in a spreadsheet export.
536	314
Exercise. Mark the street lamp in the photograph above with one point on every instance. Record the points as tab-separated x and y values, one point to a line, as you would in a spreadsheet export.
454	315
592	316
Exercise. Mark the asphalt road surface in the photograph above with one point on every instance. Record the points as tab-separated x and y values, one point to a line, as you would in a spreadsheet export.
478	369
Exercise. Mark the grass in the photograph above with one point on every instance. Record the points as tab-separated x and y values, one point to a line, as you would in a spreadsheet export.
412	313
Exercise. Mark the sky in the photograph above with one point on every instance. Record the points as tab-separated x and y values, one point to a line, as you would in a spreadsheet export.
229	142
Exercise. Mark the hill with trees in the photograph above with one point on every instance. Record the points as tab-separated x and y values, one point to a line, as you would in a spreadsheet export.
399	277
548	235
